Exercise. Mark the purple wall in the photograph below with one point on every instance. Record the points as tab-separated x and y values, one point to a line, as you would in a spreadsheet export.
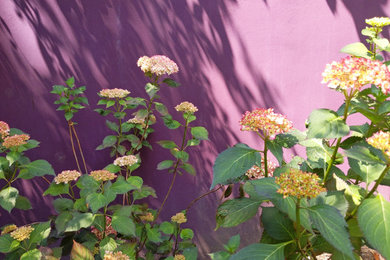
234	55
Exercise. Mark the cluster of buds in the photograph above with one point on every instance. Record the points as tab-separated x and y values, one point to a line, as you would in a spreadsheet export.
353	73
15	140
102	175
22	233
265	120
9	228
109	230
256	172
381	141
67	176
115	256
114	93
157	65
137	121
179	218
127	160
4	129
148	217
299	184
186	107
179	257
378	21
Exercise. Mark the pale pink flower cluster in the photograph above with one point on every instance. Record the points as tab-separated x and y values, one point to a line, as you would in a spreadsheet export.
158	65
114	93
137	120
4	129
299	184
265	120
255	172
127	160
102	175
179	218
15	140
115	256
353	73
22	233
67	176
109	229
381	141
186	107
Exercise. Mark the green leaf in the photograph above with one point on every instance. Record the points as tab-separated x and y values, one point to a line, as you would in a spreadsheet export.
153	234
34	254
36	168
108	141
233	163
384	107
351	191
276	150
69	115
170	82
12	157
363	153
8	198
367	171
41	231
234	212
167	144
70	82
107	244
62	204
8	244
151	89
199	132
121	186
96	201
123	225
112	168
57	189
182	155
79	220
277	224
161	108
58	89
164	165
356	49
112	125
332	198
188	168
374	221
186	233
261	252
80	252
22	203
170	123
233	244
62	220
144	192
325	123
193	142
135	181
332	227
382	43
167	228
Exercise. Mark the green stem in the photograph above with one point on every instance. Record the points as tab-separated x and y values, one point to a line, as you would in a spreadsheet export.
265	158
298	220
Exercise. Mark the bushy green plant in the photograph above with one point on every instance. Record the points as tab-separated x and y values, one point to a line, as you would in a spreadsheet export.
308	204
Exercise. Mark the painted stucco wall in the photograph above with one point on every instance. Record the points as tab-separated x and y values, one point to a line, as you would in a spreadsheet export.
234	56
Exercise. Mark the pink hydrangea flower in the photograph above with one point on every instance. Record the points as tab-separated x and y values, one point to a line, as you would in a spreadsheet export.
158	65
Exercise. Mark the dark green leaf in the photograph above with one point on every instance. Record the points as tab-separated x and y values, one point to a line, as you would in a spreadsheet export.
188	168
325	123
167	228
96	201
233	244
108	141
36	168
22	203
234	212
112	168
62	204
41	231
332	198
199	132
57	189
8	244
144	192
68	115
79	220
165	165
121	186
261	252
170	123
367	171
70	82
167	144
171	82
123	225
277	224
363	153
186	233
62	220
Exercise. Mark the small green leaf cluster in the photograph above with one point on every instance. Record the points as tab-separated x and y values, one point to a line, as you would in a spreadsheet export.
70	98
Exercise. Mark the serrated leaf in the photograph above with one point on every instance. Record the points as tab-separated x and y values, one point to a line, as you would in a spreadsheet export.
62	204
36	168
107	244
325	123
349	190
170	123
374	221
356	49
199	132
233	162
108	141
80	252
41	231
167	228
261	252
332	227
144	192
8	198
79	220
332	198
8	244
277	224
363	153
112	125
123	225
367	171
234	212
121	186
57	189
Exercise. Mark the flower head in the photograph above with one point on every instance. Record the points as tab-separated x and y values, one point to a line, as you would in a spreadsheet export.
148	217
256	172
353	73
158	65
4	129
15	140
381	141
109	229
137	121
9	228
179	257
378	21
114	93
299	184
102	175
115	256
265	120
179	218
127	160
22	233
186	107
67	176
